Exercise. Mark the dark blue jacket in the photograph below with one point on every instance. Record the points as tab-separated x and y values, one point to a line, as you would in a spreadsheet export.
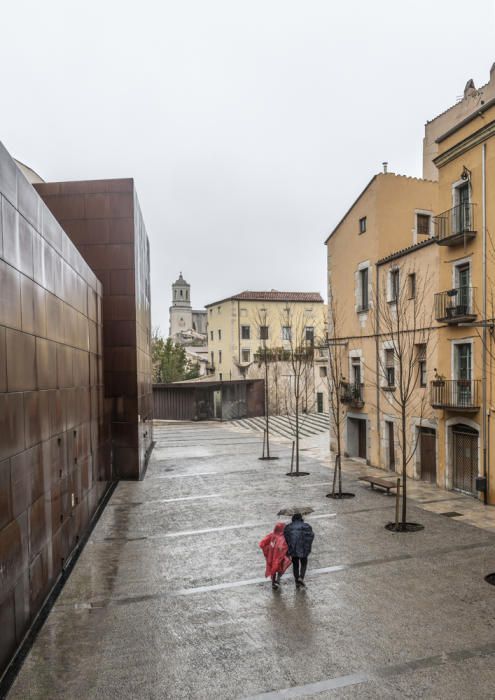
299	537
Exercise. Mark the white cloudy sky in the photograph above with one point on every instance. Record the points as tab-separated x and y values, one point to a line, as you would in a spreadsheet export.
249	127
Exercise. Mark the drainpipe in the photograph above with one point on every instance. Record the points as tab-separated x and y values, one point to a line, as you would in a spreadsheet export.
484	330
377	363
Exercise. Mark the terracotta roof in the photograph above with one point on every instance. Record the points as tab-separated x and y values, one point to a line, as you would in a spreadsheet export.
273	295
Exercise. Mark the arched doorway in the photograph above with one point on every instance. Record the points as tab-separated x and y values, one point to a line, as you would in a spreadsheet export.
464	458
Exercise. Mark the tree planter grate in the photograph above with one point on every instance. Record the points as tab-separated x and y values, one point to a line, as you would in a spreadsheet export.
341	496
297	474
404	527
490	579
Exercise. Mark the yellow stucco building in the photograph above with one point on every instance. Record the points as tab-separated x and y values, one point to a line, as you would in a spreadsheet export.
241	326
436	238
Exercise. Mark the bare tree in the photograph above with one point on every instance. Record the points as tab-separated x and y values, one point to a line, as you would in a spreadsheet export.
339	390
268	359
404	317
298	336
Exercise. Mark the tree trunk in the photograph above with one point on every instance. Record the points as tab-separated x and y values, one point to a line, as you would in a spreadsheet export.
267	422
297	424
404	466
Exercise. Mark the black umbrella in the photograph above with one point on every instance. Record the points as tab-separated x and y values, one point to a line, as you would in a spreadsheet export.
293	510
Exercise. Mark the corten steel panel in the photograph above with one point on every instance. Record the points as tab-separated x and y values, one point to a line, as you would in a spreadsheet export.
47	292
10	284
104	221
21	361
3	359
33	307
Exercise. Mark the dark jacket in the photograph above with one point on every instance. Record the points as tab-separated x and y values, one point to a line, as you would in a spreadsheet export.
299	537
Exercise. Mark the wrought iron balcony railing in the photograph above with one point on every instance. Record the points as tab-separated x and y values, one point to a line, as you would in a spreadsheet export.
352	394
455	225
455	394
456	305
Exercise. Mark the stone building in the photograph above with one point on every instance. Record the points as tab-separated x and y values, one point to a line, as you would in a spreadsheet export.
186	325
240	326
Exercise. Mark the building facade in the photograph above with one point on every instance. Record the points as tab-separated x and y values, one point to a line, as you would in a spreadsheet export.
104	221
434	238
242	327
55	441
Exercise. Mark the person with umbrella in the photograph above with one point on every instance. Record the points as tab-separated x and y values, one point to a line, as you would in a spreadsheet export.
274	548
299	537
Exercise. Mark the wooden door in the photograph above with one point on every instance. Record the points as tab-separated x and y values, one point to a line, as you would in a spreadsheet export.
391	446
465	458
427	452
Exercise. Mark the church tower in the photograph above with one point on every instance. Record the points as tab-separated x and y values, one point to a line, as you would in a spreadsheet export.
181	310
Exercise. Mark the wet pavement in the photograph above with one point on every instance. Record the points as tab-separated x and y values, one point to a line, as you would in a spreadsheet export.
168	598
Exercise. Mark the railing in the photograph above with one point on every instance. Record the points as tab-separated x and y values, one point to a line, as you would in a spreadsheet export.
455	305
352	394
455	225
456	394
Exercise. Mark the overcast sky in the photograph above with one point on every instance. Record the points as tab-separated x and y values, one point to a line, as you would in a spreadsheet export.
249	127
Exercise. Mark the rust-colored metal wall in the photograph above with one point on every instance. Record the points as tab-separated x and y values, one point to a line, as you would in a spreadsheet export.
103	219
54	444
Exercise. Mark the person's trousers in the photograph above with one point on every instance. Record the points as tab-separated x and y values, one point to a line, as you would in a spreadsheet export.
299	565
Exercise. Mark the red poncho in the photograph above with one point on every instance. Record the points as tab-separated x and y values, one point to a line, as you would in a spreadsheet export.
274	548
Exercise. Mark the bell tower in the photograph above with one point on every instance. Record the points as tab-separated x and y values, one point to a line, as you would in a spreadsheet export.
181	310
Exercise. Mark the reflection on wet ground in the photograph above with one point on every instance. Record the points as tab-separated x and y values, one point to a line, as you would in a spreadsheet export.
168	598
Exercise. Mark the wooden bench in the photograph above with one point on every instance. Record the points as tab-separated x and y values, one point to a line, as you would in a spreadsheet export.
381	483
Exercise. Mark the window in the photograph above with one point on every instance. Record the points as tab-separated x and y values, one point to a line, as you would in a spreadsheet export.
246	355
423	222
220	376
212	354
362	224
286	333
219	308
211	335
263	332
394	285
309	333
363	290
411	281
219	357
356	370
421	350
245	332
389	368
219	334
323	371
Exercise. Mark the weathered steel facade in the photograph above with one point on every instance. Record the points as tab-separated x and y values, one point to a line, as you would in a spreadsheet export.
104	221
55	461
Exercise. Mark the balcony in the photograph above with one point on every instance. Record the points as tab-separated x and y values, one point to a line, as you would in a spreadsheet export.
352	394
456	394
456	306
456	225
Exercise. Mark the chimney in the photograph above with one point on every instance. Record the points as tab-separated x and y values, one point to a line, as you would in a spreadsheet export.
385	166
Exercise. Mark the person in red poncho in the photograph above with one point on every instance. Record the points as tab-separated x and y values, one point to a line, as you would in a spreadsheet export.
274	548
